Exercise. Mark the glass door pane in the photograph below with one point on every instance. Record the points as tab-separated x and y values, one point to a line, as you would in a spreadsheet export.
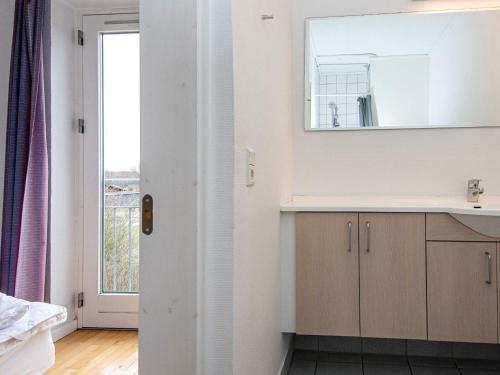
120	162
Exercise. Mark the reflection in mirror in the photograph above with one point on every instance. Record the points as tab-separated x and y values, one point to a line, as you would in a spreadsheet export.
413	70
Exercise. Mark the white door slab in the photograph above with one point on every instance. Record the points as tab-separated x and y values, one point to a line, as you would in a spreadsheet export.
168	303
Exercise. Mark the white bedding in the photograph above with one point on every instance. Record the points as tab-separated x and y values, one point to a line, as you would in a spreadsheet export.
11	310
25	333
38	317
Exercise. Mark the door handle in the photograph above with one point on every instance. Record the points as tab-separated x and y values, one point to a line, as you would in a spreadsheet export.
349	225
489	269
368	236
147	214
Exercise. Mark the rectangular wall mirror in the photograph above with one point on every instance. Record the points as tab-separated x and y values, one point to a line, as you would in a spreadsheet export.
405	70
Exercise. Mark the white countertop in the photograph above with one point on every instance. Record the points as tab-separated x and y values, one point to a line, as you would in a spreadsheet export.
490	205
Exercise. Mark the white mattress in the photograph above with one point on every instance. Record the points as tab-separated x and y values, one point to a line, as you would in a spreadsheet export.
30	357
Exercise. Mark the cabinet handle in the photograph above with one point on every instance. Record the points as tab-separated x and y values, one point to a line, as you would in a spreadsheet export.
489	266
349	225
368	236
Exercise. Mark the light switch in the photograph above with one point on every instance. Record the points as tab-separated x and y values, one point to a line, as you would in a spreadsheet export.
250	167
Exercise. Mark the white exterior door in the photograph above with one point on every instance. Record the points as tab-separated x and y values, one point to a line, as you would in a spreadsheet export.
111	107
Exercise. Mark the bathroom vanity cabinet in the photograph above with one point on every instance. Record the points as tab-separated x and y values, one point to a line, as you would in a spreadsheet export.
395	275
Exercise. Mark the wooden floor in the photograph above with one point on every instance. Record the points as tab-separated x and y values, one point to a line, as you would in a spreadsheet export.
97	352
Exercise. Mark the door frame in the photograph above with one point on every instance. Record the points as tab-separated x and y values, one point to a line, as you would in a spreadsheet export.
79	141
196	56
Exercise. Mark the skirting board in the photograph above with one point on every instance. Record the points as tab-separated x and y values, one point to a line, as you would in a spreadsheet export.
287	361
64	330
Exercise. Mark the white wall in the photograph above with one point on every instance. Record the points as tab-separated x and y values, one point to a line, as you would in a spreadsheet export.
385	162
109	5
400	87
6	24
262	90
64	162
465	79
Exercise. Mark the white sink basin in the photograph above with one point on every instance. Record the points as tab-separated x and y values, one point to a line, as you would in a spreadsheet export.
484	220
487	225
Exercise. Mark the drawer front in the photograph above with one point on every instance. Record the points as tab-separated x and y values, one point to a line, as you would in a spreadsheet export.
443	227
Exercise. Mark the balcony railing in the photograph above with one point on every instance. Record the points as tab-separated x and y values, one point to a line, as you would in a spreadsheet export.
121	229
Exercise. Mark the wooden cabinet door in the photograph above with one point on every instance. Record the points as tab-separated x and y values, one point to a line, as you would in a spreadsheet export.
327	272
392	274
462	292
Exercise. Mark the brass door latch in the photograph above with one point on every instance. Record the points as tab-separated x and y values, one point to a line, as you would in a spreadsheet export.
147	214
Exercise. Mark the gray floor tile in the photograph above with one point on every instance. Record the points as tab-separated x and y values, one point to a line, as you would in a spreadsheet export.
305	355
384	346
478	372
328	368
340	357
421	348
385	359
340	344
434	371
431	362
477	364
476	351
373	369
300	367
304	342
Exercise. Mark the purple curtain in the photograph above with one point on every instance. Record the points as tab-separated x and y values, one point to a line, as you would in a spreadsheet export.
23	257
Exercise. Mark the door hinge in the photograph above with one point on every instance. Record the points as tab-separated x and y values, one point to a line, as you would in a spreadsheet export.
80	37
80	300
81	126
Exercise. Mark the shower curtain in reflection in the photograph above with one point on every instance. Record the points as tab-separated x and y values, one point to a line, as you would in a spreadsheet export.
23	257
365	111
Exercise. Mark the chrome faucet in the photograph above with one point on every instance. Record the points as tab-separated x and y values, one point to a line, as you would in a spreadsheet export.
474	191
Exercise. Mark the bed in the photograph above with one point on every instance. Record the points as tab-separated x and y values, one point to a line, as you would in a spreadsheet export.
26	345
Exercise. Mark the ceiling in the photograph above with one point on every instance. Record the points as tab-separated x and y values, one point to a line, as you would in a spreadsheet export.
382	35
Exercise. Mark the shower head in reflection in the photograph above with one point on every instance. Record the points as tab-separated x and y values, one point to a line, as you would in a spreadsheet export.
335	114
